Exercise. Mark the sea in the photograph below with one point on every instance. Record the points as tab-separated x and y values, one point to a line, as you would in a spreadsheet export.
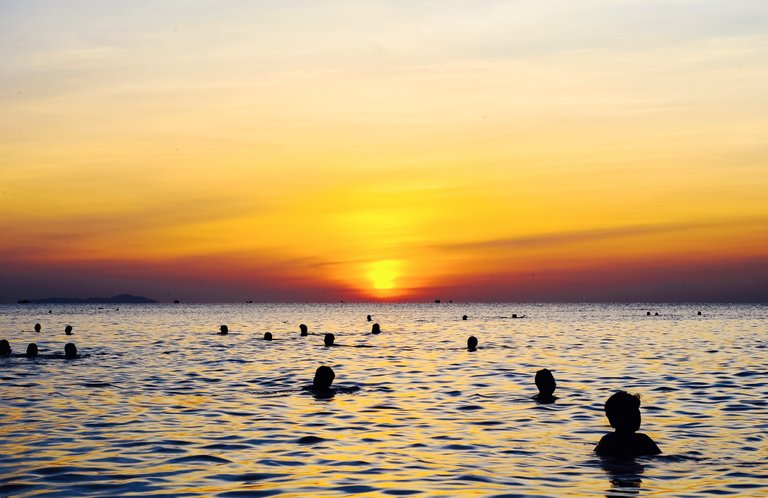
159	404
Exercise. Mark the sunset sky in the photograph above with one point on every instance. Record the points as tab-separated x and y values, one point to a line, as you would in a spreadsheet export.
592	150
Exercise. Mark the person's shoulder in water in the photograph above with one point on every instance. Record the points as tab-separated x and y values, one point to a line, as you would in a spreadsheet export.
70	352
329	340
321	384
626	445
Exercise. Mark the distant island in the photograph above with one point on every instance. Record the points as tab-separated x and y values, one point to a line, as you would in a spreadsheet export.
119	299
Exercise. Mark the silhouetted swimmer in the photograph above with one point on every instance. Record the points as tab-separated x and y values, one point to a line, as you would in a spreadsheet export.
369	318
70	351
699	313
472	343
321	384
5	348
267	336
32	350
656	314
328	339
464	317
375	329
323	378
623	412
37	327
68	330
223	330
545	381
648	314
304	330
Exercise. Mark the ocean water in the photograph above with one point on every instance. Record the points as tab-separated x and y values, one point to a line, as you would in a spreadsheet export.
165	406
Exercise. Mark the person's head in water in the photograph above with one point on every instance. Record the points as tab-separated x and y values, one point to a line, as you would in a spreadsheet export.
5	347
369	318
648	314
31	350
267	336
38	327
375	329
323	378
68	330
70	350
699	313
623	412
464	317
304	330
514	315
328	339
223	330
472	343
545	381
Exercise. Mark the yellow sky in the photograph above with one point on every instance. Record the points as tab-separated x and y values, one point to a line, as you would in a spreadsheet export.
379	148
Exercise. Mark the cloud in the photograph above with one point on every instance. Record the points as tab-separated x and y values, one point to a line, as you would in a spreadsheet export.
595	235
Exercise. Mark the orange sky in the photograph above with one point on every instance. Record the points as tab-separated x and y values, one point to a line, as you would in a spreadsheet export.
596	150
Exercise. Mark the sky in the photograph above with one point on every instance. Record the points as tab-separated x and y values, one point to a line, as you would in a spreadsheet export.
290	151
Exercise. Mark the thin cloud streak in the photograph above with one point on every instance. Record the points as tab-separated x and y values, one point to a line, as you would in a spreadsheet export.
596	235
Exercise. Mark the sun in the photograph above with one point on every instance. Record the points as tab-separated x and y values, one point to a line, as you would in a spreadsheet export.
383	276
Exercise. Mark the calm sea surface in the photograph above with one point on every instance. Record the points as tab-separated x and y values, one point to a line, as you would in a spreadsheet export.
165	406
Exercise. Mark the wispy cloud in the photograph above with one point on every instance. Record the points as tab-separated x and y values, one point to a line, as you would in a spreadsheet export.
596	235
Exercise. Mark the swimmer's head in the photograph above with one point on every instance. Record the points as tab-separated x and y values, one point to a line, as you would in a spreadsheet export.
223	330
369	318
38	327
70	350
328	339
303	329
68	330
5	347
267	336
472	343
375	329
545	381
623	411
31	350
323	377
464	317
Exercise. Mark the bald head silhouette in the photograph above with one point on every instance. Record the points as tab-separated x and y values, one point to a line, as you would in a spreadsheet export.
70	350
323	378
472	343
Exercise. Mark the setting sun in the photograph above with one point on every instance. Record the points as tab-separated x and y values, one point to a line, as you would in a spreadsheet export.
383	276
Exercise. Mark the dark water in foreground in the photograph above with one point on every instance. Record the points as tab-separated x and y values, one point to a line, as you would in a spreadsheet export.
164	406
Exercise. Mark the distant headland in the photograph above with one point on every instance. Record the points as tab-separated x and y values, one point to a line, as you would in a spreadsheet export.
119	299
